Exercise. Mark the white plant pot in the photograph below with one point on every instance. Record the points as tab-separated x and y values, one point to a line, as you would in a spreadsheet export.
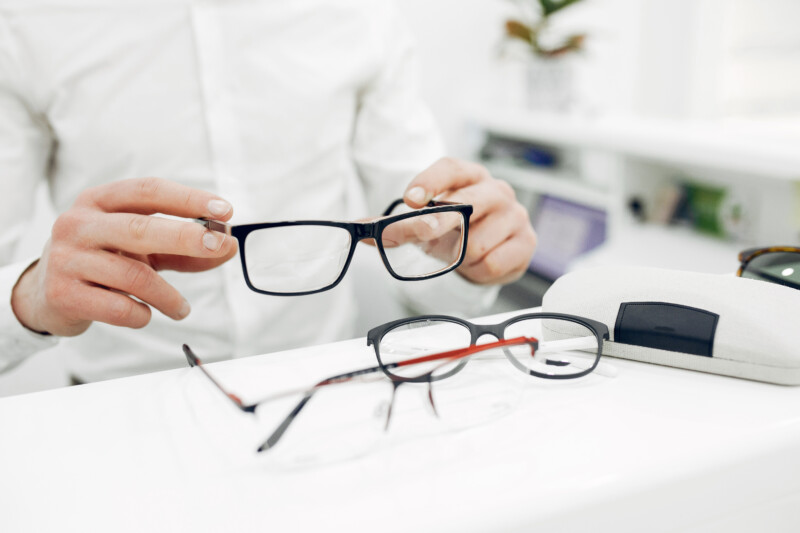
550	84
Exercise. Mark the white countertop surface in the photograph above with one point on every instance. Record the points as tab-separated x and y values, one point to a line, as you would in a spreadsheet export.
648	449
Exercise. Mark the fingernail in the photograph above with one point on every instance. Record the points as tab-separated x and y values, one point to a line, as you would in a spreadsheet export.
185	310
219	208
213	240
417	195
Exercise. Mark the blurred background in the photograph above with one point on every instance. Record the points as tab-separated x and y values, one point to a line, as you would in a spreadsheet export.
660	133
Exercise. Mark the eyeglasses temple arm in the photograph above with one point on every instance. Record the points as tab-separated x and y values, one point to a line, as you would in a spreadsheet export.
432	203
195	362
276	435
215	225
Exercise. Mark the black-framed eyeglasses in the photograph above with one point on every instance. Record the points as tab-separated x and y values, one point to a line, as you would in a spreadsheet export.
298	257
774	264
437	349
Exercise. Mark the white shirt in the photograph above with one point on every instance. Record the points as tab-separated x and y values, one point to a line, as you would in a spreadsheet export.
279	106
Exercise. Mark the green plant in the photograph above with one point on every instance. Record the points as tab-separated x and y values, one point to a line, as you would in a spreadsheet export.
535	17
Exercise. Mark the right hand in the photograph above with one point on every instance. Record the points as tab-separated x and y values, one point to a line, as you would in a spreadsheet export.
106	249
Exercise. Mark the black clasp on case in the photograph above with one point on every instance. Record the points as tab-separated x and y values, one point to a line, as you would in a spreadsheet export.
665	326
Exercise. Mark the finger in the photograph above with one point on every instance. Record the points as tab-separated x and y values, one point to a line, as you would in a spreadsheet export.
143	234
131	277
155	195
422	228
88	302
503	264
182	263
445	175
498	227
485	197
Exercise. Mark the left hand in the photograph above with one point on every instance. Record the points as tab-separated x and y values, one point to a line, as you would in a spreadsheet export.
501	238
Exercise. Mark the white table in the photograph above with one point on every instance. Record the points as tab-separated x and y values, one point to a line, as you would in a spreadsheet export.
651	449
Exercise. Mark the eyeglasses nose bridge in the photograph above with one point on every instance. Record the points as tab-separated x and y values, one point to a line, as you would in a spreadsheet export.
488	330
366	230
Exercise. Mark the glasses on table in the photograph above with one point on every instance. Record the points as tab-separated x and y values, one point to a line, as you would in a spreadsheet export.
454	364
774	264
299	257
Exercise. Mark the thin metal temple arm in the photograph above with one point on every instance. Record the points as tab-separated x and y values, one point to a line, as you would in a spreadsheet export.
215	225
276	435
195	361
273	439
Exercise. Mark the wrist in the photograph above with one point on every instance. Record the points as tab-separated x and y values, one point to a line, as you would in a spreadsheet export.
22	298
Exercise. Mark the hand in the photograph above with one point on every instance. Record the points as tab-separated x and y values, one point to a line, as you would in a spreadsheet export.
501	238
106	249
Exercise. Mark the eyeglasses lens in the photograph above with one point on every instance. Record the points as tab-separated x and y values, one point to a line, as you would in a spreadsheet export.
465	390
775	267
565	348
290	259
423	245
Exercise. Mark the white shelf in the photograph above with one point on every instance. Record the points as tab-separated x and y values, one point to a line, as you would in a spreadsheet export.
673	248
760	148
623	157
555	183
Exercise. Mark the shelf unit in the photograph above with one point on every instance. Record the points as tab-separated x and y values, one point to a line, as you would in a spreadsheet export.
760	148
621	157
562	184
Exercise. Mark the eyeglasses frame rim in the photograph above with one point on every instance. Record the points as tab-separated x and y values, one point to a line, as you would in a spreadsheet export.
746	256
376	334
358	231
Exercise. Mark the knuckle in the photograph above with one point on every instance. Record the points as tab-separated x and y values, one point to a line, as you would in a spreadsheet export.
62	299
67	225
483	172
476	249
453	165
448	161
149	188
190	200
54	292
187	234
493	268
139	277
520	212
138	226
86	197
57	258
505	189
122	311
533	238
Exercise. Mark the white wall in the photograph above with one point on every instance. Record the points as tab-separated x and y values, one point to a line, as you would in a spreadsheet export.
457	41
663	58
460	44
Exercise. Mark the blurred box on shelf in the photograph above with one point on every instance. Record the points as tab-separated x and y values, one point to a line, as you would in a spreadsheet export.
717	211
497	148
565	230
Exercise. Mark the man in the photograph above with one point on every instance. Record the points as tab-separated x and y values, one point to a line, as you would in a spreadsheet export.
277	108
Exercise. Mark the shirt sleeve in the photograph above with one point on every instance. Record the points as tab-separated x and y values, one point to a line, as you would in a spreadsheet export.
396	138
24	156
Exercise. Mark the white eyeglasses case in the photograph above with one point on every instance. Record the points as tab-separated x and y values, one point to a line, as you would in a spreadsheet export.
720	324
